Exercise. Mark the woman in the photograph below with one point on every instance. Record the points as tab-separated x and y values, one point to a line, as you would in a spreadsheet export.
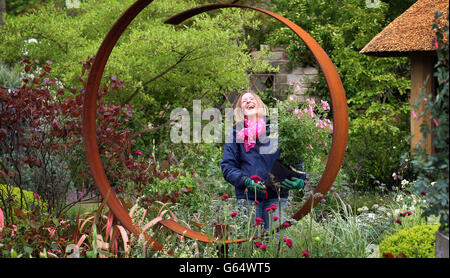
248	157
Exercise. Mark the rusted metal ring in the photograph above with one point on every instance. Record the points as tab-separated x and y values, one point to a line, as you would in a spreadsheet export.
338	102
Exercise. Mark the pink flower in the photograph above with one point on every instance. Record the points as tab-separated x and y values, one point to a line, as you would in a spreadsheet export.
275	218
435	122
51	231
224	197
423	192
403	214
398	221
138	153
215	223
263	247
258	244
268	209
297	88
129	166
309	147
409	213
414	114
258	221
305	254
325	104
233	214
273	207
286	224
256	202
13	230
394	176
291	98
436	45
288	242
296	111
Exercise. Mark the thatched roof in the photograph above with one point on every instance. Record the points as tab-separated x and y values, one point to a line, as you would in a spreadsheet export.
410	32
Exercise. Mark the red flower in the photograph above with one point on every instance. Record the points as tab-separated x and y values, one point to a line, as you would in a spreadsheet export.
409	213
275	218
256	202
258	221
403	214
263	247
256	178
258	244
273	207
288	242
305	253
287	224
233	214
388	255
423	192
225	196
398	221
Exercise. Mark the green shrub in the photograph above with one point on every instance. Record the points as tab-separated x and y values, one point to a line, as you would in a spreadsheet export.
14	192
10	198
415	242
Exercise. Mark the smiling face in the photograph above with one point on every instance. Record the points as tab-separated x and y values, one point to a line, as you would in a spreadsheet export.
249	105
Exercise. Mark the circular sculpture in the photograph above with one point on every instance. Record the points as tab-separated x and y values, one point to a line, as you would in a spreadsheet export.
338	102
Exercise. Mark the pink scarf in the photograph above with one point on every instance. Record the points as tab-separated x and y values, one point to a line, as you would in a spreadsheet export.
251	132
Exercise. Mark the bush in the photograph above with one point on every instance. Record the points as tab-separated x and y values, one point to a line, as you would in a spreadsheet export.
375	150
415	242
304	132
12	194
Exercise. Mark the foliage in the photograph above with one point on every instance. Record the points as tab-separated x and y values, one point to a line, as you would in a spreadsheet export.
41	146
304	131
432	169
415	242
375	151
35	234
9	78
343	28
17	198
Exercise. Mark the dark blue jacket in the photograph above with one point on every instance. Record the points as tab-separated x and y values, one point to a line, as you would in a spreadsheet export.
237	164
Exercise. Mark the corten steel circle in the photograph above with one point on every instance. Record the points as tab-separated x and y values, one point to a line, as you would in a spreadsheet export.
338	101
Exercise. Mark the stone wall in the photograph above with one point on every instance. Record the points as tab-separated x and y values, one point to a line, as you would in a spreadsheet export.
288	74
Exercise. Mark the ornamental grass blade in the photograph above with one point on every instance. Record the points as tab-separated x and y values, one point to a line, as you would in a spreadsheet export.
124	235
109	224
81	240
101	207
2	223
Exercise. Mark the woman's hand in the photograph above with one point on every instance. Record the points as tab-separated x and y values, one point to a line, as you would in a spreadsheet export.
293	183
254	186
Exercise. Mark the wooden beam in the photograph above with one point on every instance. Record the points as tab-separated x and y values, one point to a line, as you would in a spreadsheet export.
422	67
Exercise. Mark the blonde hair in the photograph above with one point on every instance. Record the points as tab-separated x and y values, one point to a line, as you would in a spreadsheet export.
239	116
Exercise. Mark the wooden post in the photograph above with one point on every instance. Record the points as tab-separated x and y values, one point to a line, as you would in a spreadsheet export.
422	66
